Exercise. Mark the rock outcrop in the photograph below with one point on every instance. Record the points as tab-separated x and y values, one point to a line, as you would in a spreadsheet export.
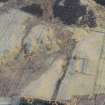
19	33
12	30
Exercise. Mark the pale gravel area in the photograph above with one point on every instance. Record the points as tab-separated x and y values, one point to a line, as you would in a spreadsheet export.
43	88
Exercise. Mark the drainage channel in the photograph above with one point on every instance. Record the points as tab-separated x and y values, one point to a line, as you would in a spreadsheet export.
26	101
30	101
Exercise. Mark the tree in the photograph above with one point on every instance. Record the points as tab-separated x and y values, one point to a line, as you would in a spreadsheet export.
47	7
102	2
